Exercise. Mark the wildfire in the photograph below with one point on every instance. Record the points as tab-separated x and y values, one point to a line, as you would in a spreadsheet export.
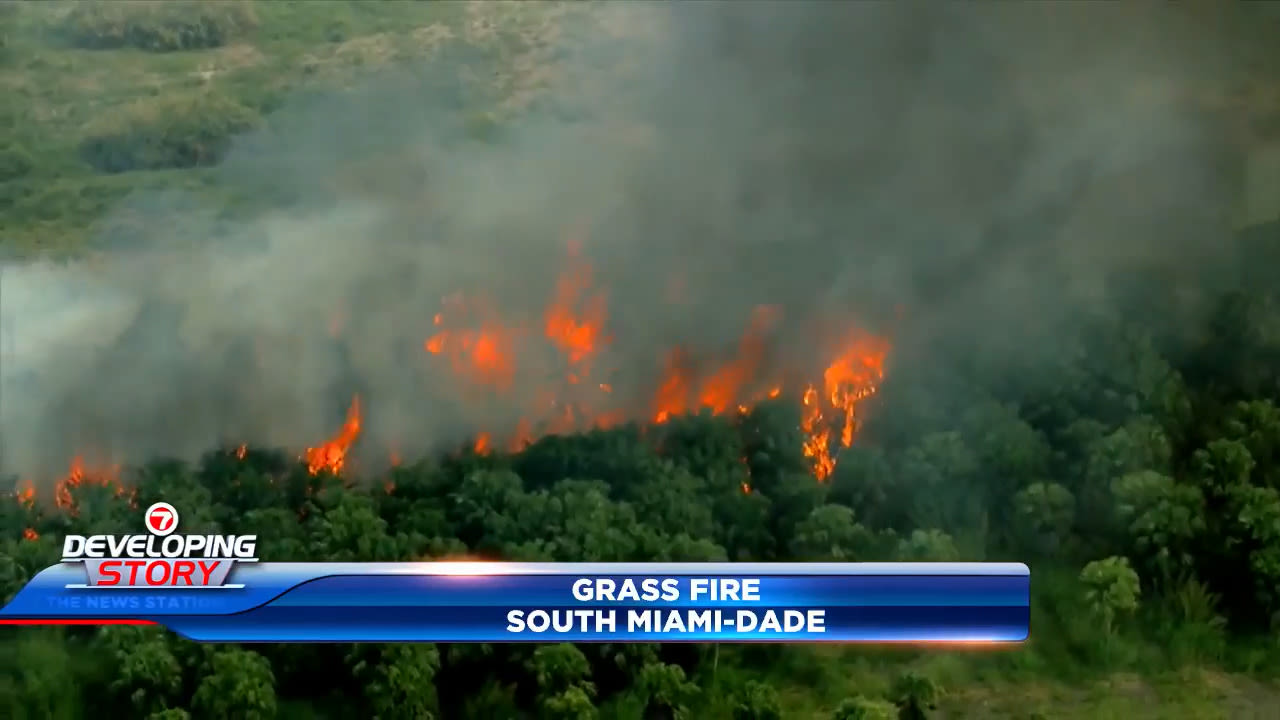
574	322
485	351
332	455
25	493
854	376
486	354
63	493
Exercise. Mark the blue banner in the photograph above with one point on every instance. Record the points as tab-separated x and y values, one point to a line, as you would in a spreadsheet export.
538	602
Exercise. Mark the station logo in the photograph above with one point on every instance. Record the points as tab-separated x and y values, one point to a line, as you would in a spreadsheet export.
160	559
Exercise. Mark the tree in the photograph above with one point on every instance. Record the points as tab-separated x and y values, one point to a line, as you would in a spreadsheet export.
398	679
239	684
665	691
1112	590
928	546
942	475
757	701
345	527
148	677
1163	519
829	533
915	696
562	674
1043	514
35	683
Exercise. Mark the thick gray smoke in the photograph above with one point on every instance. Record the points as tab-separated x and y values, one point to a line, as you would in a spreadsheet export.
978	167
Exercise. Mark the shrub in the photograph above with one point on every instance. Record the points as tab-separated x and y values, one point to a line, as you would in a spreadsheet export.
157	26
14	162
177	131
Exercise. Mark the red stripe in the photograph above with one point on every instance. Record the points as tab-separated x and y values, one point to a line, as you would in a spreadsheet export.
74	621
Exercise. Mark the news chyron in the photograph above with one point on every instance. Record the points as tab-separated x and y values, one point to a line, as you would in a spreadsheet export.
162	558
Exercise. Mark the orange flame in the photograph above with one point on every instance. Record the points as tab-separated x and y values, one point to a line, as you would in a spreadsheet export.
485	354
720	390
674	391
63	492
25	493
854	376
574	322
332	455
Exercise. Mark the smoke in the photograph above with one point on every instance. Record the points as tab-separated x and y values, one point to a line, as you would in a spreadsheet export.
980	169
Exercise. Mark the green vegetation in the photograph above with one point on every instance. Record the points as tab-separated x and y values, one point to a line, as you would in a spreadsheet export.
1168	579
1140	480
157	27
174	132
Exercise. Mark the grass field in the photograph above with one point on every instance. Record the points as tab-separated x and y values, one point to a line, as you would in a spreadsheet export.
96	110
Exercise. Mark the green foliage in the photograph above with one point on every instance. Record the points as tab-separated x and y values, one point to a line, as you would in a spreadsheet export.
1195	631
15	162
1043	516
239	684
915	696
398	680
861	708
928	546
149	677
829	533
1112	589
1158	453
1163	519
665	691
173	131
157	26
757	701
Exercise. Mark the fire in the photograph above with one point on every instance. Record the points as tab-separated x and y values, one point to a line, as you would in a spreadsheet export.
485	356
25	493
332	455
574	322
674	390
721	389
483	349
817	435
854	376
63	494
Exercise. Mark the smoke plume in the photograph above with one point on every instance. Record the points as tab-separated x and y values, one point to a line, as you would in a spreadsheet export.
913	171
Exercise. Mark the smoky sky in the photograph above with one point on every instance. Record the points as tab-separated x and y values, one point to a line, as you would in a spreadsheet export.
914	170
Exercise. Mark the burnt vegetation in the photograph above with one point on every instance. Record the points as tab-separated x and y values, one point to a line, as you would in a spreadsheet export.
1127	448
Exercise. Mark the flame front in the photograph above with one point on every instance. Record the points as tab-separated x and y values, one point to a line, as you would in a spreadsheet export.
77	476
485	356
485	351
332	456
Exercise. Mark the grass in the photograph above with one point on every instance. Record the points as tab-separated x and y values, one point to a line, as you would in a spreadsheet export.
95	112
76	118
